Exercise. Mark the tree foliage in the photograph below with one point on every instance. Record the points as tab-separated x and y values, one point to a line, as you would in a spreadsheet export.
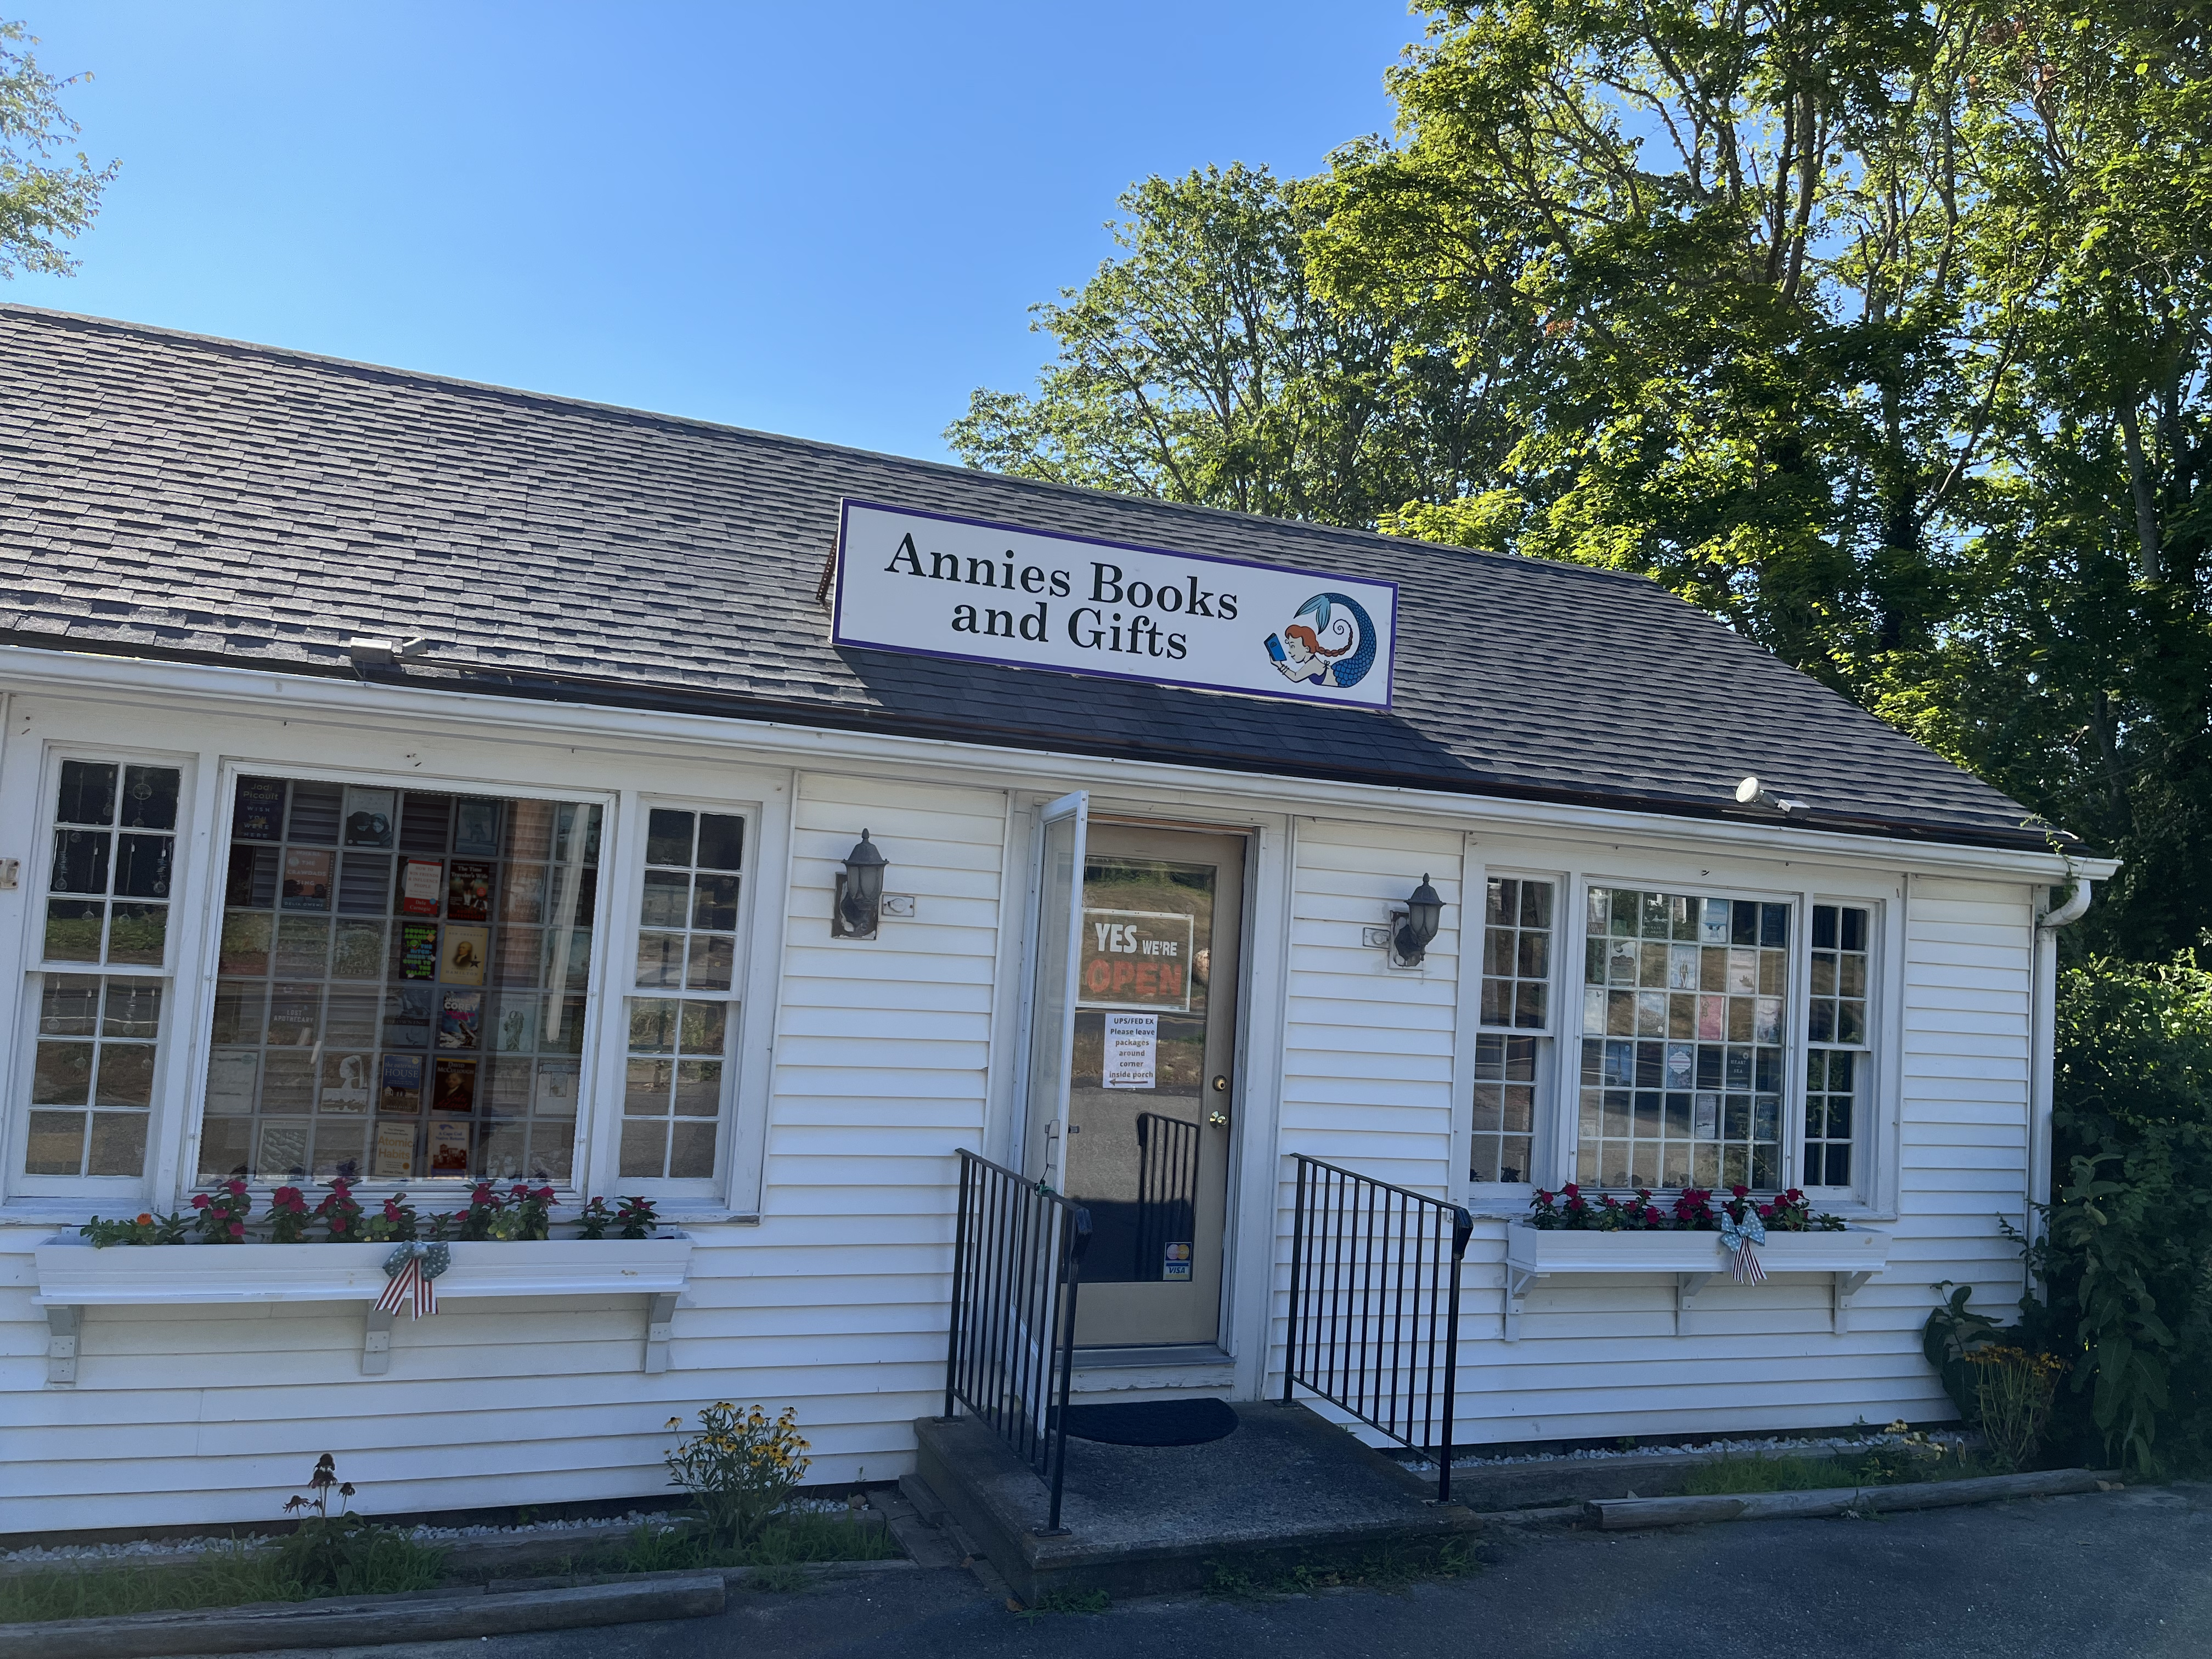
1878	330
47	196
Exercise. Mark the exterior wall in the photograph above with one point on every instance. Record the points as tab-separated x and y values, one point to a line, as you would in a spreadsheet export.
875	1062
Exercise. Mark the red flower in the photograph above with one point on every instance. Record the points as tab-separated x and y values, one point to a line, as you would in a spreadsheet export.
1571	1190
237	1187
1740	1191
200	1201
237	1230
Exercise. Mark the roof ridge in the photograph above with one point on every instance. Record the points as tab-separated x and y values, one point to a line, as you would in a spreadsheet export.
76	320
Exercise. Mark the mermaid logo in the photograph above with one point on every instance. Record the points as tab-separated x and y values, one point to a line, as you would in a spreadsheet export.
1330	641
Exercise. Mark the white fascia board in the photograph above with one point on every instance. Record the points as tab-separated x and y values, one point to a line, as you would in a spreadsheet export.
260	693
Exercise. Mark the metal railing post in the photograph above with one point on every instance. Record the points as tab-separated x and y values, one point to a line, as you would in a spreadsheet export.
1297	1262
1462	1227
1077	1232
959	1280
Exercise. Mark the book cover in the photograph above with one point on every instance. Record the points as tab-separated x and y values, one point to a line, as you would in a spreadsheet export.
418	949
345	1084
371	816
421	885
234	1075
454	1091
449	1149
460	1020
393	1154
476	827
556	1094
408	1015
357	950
468	891
515	1027
401	1094
306	878
282	1153
464	956
259	814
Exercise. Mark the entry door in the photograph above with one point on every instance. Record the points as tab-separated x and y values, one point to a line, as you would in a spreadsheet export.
1145	1141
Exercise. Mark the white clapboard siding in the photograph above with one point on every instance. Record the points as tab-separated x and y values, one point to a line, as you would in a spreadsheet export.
834	1303
1598	1355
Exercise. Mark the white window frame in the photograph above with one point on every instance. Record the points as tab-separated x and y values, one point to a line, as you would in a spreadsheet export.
1509	1197
126	1193
745	1072
1575	866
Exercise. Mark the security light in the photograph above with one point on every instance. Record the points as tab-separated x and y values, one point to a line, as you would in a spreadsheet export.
1751	791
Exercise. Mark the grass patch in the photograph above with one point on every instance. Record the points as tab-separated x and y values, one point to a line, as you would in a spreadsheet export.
230	1576
1877	1466
1062	1601
795	1540
1391	1567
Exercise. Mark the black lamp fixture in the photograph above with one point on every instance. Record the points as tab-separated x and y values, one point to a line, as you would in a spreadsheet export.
1423	913
859	891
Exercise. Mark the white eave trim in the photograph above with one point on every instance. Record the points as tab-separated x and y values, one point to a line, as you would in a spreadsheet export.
260	693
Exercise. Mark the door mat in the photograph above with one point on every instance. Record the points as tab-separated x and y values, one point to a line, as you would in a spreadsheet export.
1153	1422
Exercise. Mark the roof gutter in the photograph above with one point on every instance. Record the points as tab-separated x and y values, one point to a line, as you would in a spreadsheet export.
556	685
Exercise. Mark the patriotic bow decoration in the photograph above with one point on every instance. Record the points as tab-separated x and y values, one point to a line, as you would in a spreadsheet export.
1737	1238
411	1269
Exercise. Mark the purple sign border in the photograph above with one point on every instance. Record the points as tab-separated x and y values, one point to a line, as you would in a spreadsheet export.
847	504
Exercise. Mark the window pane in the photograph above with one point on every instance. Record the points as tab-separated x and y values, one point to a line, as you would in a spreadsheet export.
660	961
714	960
691	1150
88	793
73	929
644	1148
133	1009
668	837
698	1087
119	1144
653	1026
150	797
142	866
61	1075
721	841
81	859
55	1145
138	933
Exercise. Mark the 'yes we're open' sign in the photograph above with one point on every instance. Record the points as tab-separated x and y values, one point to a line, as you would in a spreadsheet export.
930	584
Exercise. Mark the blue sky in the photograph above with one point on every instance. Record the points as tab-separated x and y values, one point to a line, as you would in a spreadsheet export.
825	220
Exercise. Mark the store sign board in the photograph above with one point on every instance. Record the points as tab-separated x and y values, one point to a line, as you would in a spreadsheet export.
926	584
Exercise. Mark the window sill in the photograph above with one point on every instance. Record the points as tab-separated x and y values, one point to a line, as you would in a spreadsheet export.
1849	1259
73	1276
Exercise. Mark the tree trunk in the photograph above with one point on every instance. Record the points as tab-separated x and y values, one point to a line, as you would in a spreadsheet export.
2139	487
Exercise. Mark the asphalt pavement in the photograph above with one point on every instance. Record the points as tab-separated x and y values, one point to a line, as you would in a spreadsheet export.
2122	1574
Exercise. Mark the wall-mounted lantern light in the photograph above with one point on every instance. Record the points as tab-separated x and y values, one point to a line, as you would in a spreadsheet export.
1417	927
859	891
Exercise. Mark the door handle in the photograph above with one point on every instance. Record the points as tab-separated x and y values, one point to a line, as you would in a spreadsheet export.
1221	1085
1218	1119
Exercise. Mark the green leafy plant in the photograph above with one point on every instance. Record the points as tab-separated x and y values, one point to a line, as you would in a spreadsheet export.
340	1214
1953	1332
1572	1210
635	1220
485	1206
222	1214
2013	1390
395	1221
344	1553
739	1467
145	1228
288	1216
525	1213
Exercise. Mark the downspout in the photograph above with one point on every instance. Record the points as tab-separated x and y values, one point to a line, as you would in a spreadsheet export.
2043	1021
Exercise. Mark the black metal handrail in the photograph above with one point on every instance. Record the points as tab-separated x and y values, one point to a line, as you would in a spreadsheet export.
1374	1279
1009	1352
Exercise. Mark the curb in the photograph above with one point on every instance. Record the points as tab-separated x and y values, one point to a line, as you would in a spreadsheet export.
1622	1514
363	1621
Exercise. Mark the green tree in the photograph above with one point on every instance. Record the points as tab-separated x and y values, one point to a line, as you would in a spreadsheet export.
47	196
1200	366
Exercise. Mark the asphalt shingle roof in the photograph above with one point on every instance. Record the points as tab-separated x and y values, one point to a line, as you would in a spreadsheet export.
169	496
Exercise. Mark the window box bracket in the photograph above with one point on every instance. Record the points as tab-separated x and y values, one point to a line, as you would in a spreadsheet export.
73	1276
1849	1259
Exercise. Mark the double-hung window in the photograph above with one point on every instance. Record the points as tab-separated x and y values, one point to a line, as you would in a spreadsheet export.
100	995
1513	1041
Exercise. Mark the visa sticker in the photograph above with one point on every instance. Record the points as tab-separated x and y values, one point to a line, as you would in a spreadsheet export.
1177	1265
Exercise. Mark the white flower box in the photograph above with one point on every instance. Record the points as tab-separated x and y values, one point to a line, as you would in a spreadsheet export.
73	1275
1849	1258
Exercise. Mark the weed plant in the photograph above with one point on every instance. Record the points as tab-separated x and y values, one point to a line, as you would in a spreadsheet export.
790	1540
229	1577
1391	1567
1877	1466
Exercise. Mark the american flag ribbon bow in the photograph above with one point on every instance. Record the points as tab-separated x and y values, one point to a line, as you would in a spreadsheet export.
1737	1238
410	1268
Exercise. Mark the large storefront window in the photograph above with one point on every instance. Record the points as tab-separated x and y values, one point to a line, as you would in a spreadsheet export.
403	985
